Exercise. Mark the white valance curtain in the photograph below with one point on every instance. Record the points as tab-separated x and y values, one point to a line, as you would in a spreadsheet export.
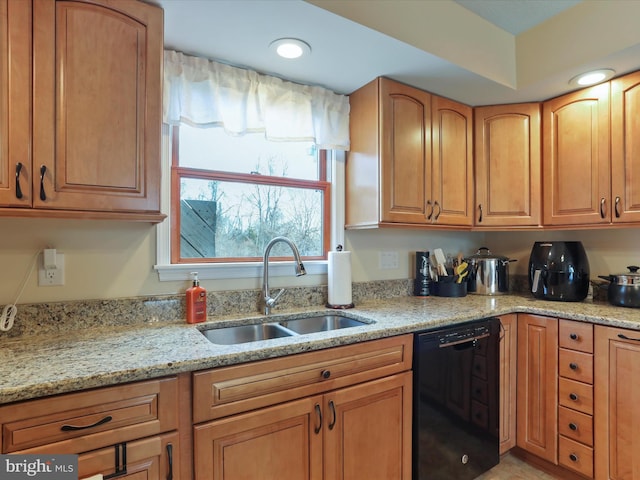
202	92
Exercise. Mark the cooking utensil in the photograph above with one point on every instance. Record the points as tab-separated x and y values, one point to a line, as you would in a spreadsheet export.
624	288
488	274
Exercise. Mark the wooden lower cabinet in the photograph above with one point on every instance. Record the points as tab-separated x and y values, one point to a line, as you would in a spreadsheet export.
617	403
508	369
363	431
537	386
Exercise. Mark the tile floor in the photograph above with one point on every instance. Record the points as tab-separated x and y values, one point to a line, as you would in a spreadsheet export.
512	468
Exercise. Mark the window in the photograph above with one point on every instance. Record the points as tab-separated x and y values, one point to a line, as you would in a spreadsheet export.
230	195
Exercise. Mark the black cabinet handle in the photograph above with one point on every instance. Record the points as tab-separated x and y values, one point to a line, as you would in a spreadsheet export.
573	366
624	337
573	336
573	457
43	195
480	217
573	426
602	212
326	374
170	458
573	396
436	204
617	209
73	428
319	415
430	210
332	407
19	194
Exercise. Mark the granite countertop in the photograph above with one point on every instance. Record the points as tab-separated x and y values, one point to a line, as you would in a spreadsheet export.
45	364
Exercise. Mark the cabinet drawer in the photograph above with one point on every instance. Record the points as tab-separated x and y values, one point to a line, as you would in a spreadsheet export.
575	335
83	421
576	365
575	395
575	425
228	390
575	456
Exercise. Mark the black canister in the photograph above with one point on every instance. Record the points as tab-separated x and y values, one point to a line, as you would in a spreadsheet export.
422	282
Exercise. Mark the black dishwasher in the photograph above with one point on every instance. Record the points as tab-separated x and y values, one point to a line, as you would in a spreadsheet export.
455	401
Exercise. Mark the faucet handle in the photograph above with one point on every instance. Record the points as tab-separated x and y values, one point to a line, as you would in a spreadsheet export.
271	301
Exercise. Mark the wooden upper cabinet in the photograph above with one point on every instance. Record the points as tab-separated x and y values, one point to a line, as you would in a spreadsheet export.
507	165
97	105
576	162
405	144
625	148
452	165
15	103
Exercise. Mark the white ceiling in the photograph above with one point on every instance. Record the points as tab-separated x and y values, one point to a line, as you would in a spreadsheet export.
479	52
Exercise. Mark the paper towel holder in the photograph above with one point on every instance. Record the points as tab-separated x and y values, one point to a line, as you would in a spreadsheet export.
339	248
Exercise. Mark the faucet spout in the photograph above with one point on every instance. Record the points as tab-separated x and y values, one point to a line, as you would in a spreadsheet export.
299	270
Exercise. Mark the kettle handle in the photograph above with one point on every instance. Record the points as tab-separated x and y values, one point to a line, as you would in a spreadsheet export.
483	248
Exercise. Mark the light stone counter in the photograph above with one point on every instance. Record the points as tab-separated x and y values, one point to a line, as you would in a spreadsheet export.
37	365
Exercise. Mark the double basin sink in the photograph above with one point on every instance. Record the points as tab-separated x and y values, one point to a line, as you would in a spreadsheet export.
315	323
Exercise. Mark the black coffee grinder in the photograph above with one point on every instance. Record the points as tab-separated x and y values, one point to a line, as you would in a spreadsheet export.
559	271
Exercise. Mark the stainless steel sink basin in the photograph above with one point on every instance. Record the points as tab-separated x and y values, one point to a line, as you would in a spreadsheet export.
285	328
320	323
245	333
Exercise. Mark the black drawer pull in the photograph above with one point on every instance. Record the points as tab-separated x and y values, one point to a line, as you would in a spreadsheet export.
573	366
326	374
43	195
332	407
573	457
170	460
73	428
573	396
624	337
573	426
319	414
573	336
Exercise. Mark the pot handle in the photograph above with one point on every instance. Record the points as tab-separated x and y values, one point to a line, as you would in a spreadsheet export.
606	277
484	248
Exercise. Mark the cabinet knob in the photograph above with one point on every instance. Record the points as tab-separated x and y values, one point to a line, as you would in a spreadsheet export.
573	457
573	366
573	426
326	374
573	396
573	336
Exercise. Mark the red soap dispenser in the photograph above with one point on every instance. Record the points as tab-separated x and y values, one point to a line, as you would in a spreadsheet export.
196	301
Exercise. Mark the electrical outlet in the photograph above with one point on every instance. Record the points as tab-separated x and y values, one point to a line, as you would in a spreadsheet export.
388	260
52	276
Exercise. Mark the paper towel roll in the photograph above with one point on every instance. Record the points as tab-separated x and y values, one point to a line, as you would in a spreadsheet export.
339	280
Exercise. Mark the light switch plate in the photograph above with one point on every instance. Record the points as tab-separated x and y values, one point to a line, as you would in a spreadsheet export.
388	260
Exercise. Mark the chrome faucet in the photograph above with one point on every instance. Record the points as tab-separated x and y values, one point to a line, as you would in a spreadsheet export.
299	267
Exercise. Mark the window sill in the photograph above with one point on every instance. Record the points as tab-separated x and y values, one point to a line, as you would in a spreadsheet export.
211	271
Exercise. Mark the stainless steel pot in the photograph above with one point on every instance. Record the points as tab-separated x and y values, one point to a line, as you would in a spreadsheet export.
488	274
624	288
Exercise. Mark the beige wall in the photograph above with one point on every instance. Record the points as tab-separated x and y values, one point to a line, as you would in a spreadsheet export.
106	259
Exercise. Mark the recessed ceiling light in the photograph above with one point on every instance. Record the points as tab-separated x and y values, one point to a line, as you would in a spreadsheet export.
591	78
290	47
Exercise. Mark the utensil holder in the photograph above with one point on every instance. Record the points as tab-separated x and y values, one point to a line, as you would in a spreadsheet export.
449	289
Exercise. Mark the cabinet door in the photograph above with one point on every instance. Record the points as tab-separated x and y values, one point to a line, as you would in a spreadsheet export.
508	364
368	430
576	162
152	458
15	103
617	396
97	105
452	164
537	389
283	442
507	165
625	148
405	143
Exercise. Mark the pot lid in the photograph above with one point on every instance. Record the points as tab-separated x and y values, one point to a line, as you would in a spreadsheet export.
632	277
484	253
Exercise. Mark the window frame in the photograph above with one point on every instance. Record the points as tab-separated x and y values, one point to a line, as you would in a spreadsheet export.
178	173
